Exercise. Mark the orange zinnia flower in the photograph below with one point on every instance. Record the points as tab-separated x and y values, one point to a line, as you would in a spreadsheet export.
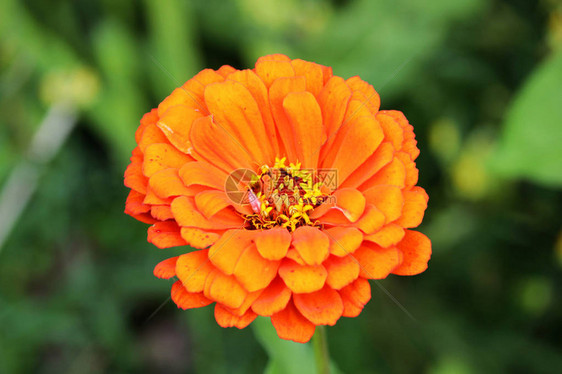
292	185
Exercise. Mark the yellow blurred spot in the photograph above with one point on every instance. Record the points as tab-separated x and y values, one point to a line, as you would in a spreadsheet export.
449	364
535	295
79	86
555	28
469	173
286	15
444	140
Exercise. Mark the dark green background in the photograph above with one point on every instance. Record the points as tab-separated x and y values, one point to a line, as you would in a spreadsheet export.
479	80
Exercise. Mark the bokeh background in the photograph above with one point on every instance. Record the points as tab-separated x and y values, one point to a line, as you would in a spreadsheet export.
481	81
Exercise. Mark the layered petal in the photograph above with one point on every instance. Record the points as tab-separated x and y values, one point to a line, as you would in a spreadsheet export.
415	248
227	319
273	244
302	278
355	296
290	324
165	234
166	269
322	307
377	262
341	271
311	244
188	300
273	299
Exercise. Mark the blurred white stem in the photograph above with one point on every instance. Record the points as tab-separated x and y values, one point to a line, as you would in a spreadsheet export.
22	182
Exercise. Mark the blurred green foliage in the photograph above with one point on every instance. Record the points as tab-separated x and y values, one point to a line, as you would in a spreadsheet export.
479	80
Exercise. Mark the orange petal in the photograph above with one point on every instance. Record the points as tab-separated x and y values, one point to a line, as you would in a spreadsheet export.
193	269
333	100
165	234
270	70
197	238
153	199
312	72
201	173
416	249
342	208
274	57
344	240
273	244
392	174
226	319
388	199
327	73
341	271
149	118
273	299
143	217
226	252
257	88
191	92
356	140
235	109
188	300
291	325
166	183
277	93
134	177
302	278
388	236
161	212
151	135
412	172
312	244
183	96
166	269
355	296
224	289
415	205
253	271
409	143
294	255
323	307
214	144
248	301
226	70
369	97
186	214
371	220
211	202
308	132
175	124
393	132
135	203
162	156
377	262
350	202
380	158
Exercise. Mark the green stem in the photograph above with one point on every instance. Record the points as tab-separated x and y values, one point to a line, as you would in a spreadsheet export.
321	353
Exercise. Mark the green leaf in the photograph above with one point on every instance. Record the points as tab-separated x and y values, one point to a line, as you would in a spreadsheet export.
173	57
117	113
286	357
531	144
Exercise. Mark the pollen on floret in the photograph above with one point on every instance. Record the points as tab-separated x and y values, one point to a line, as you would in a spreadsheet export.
283	195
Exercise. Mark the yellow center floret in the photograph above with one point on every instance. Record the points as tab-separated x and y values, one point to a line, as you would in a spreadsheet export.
283	195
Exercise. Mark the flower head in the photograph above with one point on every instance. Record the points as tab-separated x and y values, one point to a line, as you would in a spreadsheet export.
292	186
